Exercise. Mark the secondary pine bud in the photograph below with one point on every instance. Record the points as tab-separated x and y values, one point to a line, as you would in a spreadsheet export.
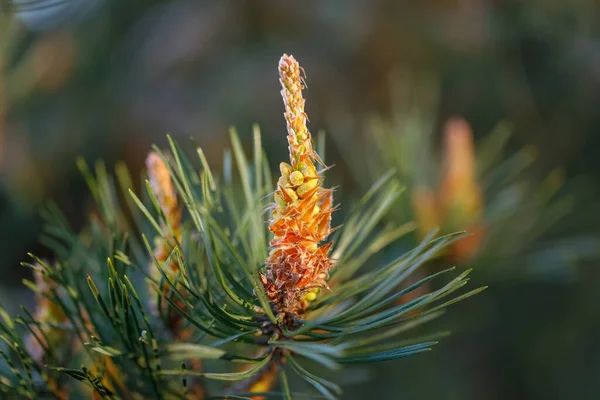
164	191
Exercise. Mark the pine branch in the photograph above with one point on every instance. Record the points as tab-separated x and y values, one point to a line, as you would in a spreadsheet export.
179	289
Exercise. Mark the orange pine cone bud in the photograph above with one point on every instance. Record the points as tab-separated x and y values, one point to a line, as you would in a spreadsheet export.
301	212
459	187
164	191
460	196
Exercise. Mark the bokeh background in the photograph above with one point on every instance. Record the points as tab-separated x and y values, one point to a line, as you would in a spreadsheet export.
105	79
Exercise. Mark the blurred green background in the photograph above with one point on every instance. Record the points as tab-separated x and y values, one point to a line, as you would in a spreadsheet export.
105	79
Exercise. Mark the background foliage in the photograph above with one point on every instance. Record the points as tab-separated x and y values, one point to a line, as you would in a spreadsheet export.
104	80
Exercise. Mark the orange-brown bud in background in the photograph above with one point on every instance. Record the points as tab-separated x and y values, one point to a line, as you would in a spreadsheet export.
459	190
460	197
301	212
457	204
